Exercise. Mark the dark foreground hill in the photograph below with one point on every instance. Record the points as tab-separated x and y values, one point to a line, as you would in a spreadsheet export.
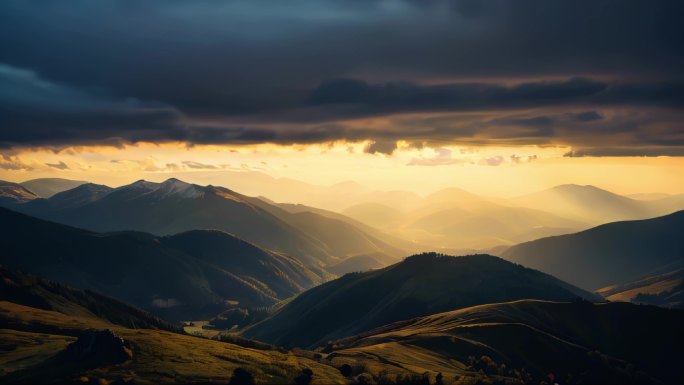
614	253
172	277
54	334
420	285
26	290
525	341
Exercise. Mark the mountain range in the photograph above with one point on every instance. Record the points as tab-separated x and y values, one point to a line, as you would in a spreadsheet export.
188	275
175	206
613	253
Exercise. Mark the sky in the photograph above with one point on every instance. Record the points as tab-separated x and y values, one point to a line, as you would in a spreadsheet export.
497	97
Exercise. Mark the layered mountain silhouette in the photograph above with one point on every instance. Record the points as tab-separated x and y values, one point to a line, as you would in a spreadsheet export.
614	253
594	205
420	285
175	206
457	219
174	277
47	187
15	194
577	342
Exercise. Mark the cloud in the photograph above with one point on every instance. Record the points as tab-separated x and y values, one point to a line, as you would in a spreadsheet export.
645	152
13	163
493	161
381	147
60	165
36	111
438	71
199	166
443	157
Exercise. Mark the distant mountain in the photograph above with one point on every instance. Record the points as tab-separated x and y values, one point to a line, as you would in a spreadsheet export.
356	264
375	214
524	341
400	245
453	218
614	253
69	199
47	187
420	285
175	206
596	206
648	196
487	225
171	276
23	289
13	194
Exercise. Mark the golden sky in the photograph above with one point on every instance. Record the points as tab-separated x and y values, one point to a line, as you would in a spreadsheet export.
488	170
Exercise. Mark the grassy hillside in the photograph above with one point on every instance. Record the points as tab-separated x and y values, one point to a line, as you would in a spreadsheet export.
23	289
420	285
35	349
151	272
614	253
578	342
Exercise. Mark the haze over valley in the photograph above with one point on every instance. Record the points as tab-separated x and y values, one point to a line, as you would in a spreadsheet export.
377	192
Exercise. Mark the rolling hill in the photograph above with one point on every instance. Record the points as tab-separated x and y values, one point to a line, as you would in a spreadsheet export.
420	285
55	334
27	290
614	253
47	187
14	194
661	288
164	275
524	341
175	206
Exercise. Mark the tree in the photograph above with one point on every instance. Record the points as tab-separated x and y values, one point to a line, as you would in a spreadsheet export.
345	370
241	377
305	377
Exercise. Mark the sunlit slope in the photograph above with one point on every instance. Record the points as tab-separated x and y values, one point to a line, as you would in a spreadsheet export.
541	337
150	272
614	253
14	194
40	354
47	187
662	288
420	285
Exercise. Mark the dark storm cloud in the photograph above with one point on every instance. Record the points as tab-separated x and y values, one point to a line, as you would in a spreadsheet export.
241	71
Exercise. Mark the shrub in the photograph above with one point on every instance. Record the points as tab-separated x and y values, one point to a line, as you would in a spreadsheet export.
241	377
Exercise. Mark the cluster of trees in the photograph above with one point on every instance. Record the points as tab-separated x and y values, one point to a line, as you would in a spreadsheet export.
242	376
